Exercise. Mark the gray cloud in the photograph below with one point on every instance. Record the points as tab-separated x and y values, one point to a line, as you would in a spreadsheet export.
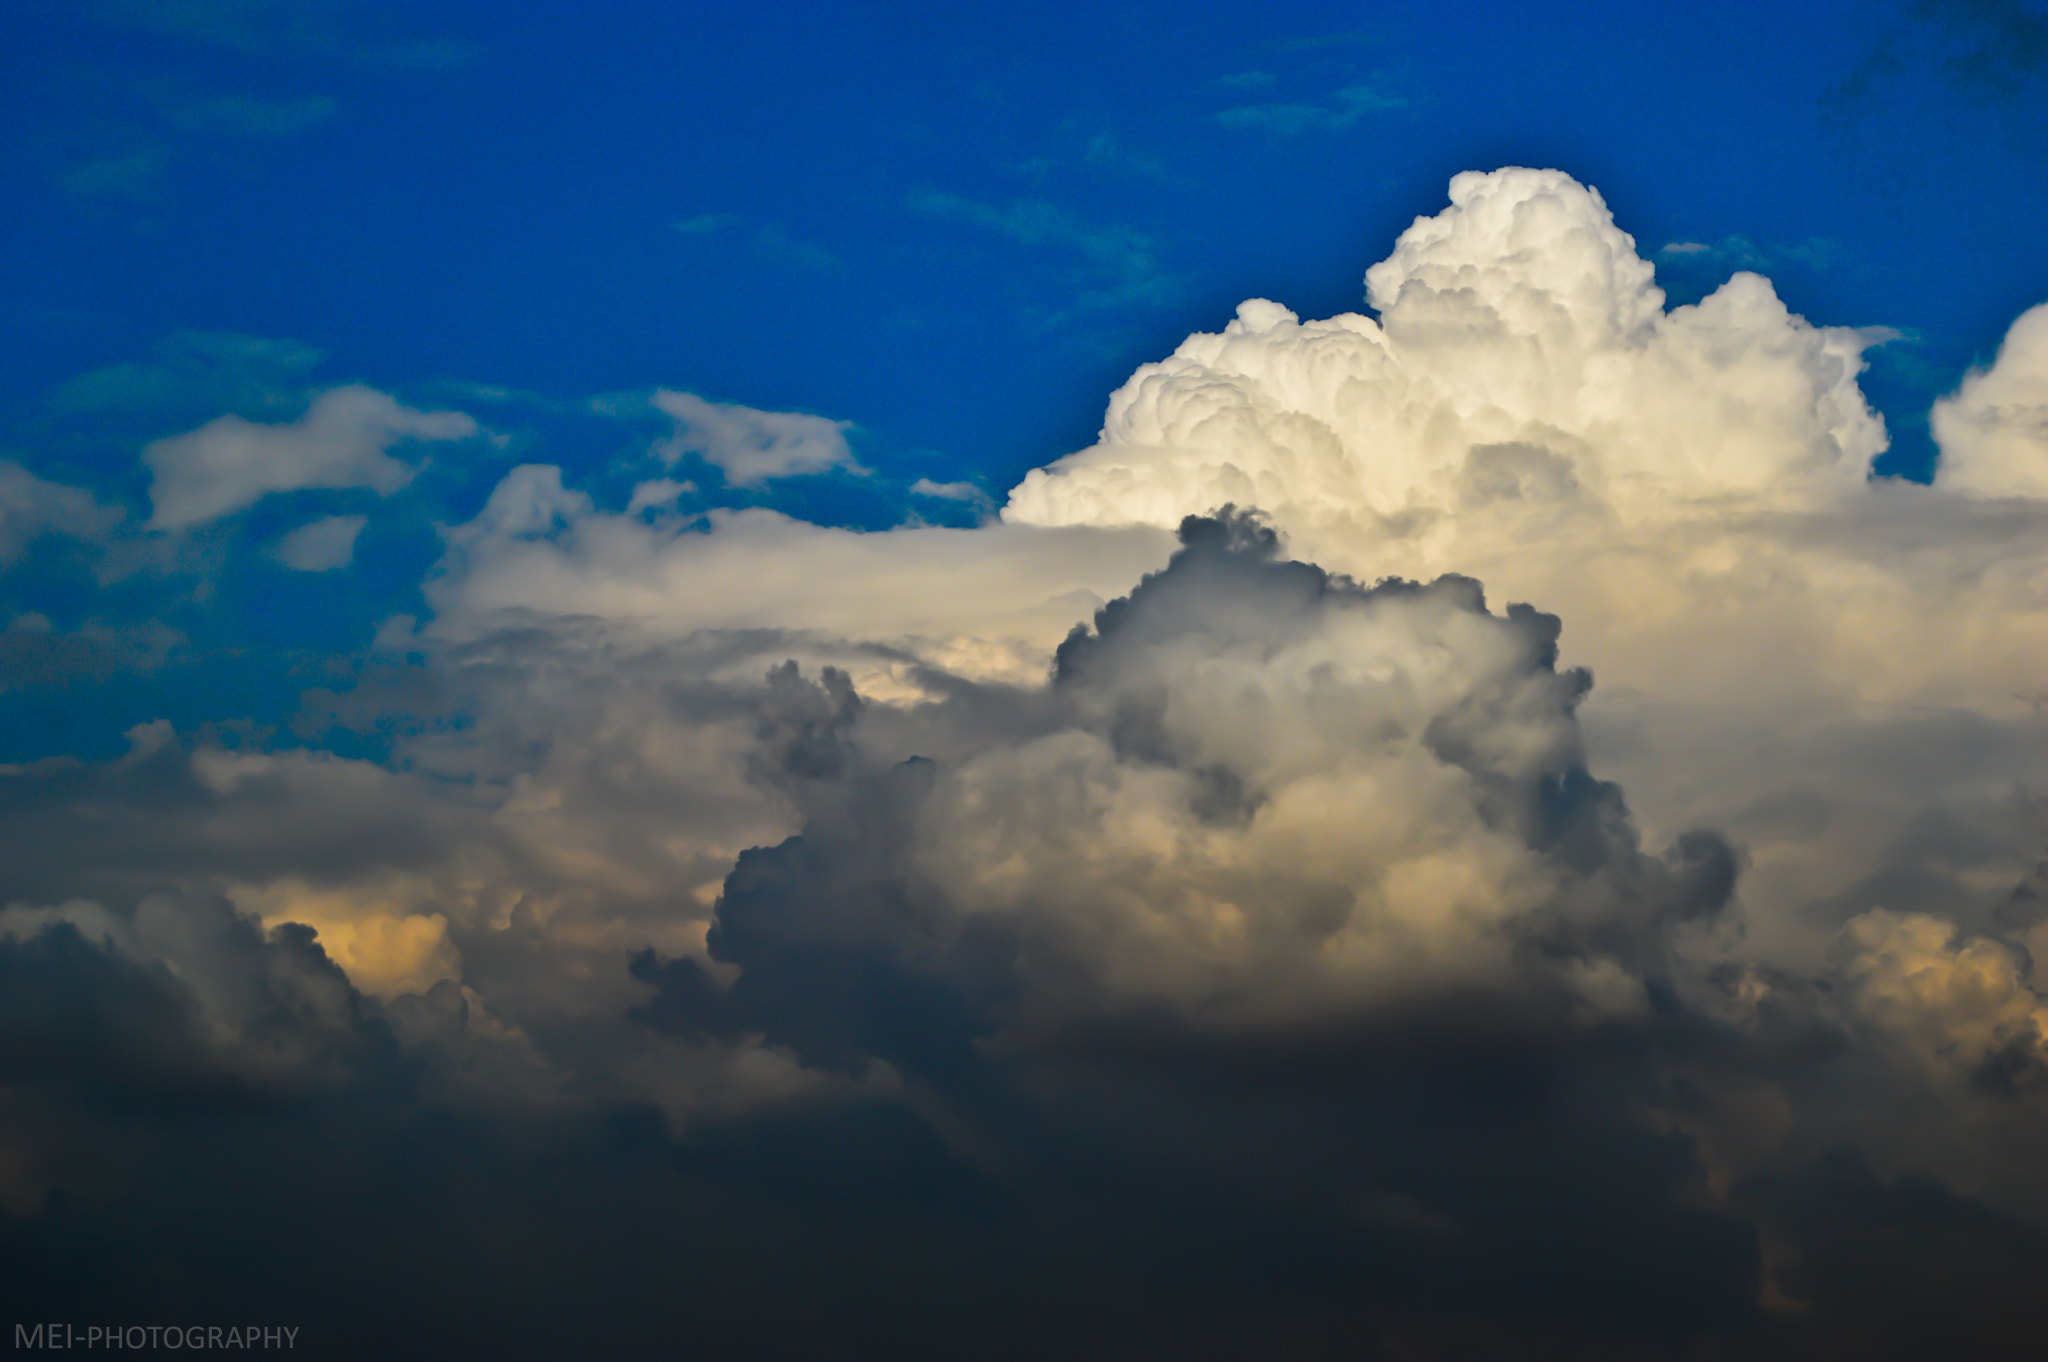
1277	962
36	656
31	507
1231	715
321	545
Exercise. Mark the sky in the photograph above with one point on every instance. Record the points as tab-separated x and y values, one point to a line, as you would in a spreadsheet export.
892	681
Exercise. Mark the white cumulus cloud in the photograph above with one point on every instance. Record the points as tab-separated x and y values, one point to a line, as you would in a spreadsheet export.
751	446
1520	323
1993	431
344	439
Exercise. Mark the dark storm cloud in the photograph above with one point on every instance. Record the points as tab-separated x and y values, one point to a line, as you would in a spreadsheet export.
251	1021
1462	1159
167	814
1024	1109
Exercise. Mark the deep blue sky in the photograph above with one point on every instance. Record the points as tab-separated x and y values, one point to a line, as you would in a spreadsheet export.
957	228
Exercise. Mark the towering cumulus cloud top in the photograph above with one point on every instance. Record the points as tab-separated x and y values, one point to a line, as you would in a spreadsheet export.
1994	432
1522	354
1255	795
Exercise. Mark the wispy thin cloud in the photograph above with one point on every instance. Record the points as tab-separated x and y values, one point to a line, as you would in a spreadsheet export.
155	125
137	173
1338	112
244	115
346	32
1740	252
1123	260
771	243
705	224
777	245
1995	48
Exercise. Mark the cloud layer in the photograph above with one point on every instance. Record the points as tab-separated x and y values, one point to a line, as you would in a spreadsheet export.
1561	877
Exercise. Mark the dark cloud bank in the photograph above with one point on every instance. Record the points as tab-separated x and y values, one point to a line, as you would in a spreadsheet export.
1106	1064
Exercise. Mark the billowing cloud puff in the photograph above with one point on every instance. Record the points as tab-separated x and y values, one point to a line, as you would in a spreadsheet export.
344	440
1687	489
751	446
244	1009
1964	1006
170	1009
1994	430
1255	796
1522	354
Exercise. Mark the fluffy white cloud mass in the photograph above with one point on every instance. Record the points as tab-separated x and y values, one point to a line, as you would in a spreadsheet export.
1994	431
1567	866
1523	354
1688	490
344	440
